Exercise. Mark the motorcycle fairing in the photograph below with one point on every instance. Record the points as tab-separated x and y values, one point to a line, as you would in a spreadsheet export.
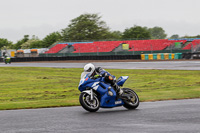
121	80
110	101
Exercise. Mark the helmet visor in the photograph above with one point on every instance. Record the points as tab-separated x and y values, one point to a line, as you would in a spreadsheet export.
88	70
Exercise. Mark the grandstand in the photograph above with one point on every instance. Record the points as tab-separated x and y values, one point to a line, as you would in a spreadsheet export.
117	46
56	48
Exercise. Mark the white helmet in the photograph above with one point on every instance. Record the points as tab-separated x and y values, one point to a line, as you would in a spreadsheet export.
89	68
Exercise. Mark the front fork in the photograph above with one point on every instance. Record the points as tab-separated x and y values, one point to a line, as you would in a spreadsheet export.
92	94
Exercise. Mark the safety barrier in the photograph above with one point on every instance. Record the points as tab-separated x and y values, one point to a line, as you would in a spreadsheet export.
102	57
161	56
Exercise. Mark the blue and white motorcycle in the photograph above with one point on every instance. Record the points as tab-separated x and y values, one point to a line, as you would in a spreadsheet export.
97	93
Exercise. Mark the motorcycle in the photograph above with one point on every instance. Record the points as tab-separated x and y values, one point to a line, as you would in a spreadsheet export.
7	60
96	93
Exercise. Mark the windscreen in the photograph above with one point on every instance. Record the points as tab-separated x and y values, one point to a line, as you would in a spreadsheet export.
83	74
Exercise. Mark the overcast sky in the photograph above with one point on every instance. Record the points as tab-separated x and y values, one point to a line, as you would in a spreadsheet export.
41	17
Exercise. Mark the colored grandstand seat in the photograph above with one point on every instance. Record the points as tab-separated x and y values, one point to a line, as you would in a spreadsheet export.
101	46
56	48
148	45
192	44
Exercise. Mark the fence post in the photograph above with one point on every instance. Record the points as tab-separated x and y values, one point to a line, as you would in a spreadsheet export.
79	51
97	50
191	48
171	48
133	49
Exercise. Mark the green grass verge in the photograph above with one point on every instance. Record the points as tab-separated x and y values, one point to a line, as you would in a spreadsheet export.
31	87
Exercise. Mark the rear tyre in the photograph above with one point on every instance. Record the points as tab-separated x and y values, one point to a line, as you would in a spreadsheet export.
87	104
134	102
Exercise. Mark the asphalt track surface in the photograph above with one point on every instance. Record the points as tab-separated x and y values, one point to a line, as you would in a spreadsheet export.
170	65
176	116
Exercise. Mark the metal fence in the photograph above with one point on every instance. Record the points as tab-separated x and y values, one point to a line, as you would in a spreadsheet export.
195	48
112	53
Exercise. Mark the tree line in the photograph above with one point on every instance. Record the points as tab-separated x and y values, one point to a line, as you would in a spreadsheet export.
88	27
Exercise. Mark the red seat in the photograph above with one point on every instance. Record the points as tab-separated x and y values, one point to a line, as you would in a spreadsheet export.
56	48
192	44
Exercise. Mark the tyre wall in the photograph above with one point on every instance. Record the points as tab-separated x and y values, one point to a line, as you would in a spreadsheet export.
161	56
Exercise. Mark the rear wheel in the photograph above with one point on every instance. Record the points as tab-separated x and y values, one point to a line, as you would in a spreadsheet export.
134	102
87	103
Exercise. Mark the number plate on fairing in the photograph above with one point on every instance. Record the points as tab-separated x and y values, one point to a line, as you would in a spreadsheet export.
118	102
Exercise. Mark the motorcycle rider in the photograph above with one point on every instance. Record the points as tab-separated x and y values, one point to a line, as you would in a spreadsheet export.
96	72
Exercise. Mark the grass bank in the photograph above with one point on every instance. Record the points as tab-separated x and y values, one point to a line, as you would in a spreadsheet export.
31	87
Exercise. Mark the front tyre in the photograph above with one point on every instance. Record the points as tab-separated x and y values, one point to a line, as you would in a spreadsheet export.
134	102
87	104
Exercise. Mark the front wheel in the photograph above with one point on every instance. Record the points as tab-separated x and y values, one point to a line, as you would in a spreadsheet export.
134	102
87	104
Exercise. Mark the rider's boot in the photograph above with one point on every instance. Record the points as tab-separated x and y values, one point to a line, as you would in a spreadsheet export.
120	92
